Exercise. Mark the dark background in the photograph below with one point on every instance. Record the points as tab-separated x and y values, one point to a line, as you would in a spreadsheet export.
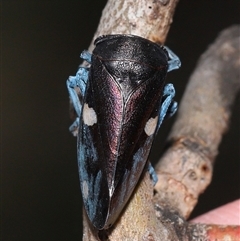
41	43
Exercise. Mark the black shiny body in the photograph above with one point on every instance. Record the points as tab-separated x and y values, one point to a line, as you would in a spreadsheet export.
125	88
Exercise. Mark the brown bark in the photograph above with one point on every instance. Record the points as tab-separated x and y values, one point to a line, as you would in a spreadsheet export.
213	232
186	168
148	19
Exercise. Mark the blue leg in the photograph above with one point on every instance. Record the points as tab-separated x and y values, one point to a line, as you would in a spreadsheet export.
168	107
85	55
74	127
152	173
173	62
76	86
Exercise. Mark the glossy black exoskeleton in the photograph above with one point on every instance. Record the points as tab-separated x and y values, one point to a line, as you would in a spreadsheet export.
124	101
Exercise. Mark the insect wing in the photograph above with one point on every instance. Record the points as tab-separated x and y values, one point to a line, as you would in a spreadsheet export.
98	143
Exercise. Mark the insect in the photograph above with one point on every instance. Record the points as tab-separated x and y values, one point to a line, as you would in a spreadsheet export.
121	103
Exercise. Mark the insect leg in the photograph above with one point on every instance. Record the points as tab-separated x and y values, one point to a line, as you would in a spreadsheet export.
76	86
152	173
172	109
85	55
173	62
168	106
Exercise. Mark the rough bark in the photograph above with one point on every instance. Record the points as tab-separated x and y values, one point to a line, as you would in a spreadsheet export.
186	168
148	19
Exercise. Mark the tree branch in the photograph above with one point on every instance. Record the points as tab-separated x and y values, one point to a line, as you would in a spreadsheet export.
186	168
148	19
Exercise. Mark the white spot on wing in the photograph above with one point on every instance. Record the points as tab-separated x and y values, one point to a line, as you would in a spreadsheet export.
151	126
89	115
85	189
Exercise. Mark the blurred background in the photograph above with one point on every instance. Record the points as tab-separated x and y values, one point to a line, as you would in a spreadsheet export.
41	43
